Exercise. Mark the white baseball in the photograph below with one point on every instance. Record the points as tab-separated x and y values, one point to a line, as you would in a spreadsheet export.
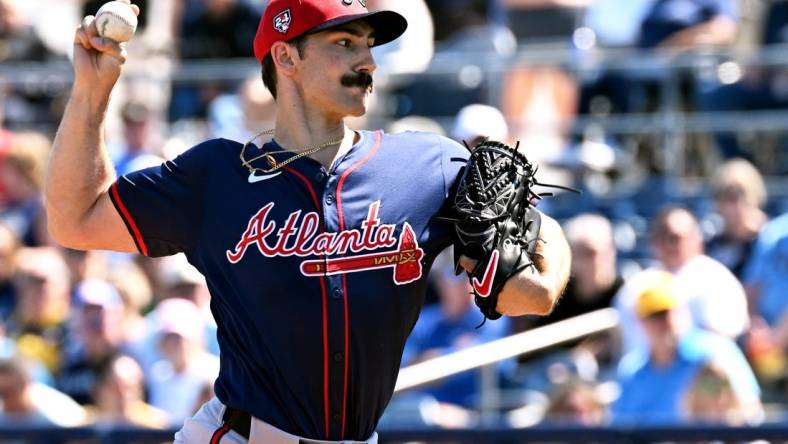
116	21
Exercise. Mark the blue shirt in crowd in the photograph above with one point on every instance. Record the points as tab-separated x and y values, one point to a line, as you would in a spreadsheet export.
768	270
433	331
668	17
652	394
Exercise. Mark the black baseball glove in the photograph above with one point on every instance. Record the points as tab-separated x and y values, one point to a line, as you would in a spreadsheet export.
496	223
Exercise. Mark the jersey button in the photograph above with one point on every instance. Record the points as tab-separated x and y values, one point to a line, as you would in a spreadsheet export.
337	417
338	357
329	199
320	176
337	293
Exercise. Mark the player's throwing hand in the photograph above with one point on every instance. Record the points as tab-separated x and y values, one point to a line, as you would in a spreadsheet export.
98	60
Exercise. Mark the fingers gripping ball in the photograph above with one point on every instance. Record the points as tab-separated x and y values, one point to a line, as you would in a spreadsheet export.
116	21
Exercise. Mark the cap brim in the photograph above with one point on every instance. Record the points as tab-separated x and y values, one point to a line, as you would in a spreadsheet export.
388	25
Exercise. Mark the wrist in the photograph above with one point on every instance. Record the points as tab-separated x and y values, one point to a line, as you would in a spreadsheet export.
94	97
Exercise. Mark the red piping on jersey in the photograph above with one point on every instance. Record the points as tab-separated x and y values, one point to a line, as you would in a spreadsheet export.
341	218
324	295
124	212
219	433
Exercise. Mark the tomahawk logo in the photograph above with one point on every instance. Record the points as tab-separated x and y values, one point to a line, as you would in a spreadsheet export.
299	236
282	21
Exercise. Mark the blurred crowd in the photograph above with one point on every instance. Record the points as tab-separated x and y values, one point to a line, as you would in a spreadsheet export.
698	279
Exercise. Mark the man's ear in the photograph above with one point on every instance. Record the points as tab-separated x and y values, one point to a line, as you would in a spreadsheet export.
283	56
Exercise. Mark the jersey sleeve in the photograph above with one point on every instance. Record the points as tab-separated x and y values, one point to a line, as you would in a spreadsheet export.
161	205
454	157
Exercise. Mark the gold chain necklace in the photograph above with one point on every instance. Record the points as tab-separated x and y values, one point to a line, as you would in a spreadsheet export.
275	165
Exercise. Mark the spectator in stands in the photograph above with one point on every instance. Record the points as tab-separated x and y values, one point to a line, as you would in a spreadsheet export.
22	399
176	381
759	88
9	245
83	265
544	21
715	297
670	26
608	24
448	327
206	36
456	15
137	151
478	38
18	40
119	396
477	122
592	286
686	24
179	279
739	195
239	115
22	175
173	277
40	320
595	278
615	24
135	291
97	337
575	402
655	379
412	52
710	398
766	278
15	393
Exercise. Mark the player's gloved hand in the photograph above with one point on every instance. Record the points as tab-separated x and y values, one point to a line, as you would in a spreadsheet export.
498	230
97	60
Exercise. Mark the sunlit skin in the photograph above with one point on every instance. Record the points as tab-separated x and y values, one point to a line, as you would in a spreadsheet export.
330	55
743	218
678	240
594	266
664	330
313	100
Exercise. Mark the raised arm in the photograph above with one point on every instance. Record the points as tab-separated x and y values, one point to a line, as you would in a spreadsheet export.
80	213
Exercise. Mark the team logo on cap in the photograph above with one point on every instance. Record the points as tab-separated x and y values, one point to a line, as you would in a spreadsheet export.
282	21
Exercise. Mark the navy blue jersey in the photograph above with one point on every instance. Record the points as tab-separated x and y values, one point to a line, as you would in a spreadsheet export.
317	276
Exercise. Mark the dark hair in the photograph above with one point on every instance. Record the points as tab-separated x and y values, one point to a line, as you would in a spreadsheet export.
269	69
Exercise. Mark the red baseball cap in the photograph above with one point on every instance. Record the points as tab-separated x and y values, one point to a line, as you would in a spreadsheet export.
284	20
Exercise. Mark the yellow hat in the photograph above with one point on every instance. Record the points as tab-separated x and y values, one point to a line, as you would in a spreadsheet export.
660	295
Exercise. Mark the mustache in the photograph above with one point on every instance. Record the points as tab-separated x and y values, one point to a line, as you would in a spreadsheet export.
358	79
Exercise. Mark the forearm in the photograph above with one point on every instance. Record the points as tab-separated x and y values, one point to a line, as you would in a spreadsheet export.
79	169
535	290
